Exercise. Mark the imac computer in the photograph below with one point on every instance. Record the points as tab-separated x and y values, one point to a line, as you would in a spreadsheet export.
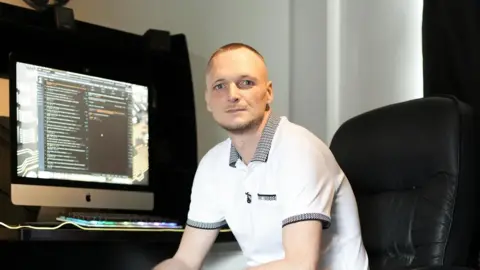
81	140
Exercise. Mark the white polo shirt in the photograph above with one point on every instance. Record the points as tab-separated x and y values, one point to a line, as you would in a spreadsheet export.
292	177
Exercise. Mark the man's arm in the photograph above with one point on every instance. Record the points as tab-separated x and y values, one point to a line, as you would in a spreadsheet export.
301	242
205	218
192	251
308	183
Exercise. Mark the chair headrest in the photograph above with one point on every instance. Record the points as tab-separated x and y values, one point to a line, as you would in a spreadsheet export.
403	145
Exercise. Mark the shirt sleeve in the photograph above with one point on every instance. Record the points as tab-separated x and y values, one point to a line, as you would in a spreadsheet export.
205	211
308	183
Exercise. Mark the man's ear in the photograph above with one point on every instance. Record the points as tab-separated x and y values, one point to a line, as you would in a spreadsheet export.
269	92
207	100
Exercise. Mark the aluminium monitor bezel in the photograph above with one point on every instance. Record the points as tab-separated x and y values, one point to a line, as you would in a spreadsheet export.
60	63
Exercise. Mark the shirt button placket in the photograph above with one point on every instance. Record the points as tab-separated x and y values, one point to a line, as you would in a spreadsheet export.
250	186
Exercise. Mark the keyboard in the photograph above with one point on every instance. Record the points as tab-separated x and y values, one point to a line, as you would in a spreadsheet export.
114	220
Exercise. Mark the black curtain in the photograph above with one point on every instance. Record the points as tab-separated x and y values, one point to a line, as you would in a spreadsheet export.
451	60
451	49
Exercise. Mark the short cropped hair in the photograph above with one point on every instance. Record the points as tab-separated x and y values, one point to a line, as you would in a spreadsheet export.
231	47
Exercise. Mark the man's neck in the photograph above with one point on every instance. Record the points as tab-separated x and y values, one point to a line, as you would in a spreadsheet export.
246	143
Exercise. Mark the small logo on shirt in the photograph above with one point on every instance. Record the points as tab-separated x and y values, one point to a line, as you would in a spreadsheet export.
267	197
249	197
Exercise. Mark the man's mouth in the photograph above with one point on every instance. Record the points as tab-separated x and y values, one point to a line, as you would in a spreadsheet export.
234	110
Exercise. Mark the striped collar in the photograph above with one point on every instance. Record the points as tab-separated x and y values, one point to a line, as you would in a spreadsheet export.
264	145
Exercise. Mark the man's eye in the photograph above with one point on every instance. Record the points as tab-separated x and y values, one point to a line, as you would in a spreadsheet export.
219	86
247	82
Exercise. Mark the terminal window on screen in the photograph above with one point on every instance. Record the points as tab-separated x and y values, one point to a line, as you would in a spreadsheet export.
89	128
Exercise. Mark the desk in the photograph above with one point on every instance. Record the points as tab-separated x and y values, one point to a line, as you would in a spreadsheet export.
77	235
77	249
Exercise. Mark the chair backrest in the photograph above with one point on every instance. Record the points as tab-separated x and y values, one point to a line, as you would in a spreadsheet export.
411	167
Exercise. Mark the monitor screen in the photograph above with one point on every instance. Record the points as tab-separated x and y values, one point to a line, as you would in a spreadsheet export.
74	127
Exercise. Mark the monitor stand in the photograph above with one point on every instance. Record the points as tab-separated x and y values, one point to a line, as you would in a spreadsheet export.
50	214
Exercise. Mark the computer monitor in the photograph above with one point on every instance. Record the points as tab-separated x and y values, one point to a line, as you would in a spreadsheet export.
82	141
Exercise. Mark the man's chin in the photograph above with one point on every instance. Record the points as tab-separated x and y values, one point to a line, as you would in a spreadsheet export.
240	126
237	128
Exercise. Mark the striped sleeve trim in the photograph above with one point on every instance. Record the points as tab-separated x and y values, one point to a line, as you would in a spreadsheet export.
206	225
308	216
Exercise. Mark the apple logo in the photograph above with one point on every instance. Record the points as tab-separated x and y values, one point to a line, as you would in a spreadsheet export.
88	197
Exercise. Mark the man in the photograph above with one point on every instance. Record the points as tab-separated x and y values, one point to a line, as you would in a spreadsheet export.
277	186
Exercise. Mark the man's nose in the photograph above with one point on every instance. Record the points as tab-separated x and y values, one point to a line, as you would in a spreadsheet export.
233	93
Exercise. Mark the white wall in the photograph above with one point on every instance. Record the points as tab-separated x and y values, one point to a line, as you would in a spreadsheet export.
376	56
351	56
308	70
329	59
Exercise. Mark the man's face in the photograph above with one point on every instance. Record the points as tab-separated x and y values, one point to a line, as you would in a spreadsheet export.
238	91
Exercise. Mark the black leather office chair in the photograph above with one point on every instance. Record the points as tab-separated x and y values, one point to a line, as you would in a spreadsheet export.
411	167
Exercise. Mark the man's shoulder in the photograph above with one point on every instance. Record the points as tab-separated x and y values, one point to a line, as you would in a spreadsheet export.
296	138
220	152
294	144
